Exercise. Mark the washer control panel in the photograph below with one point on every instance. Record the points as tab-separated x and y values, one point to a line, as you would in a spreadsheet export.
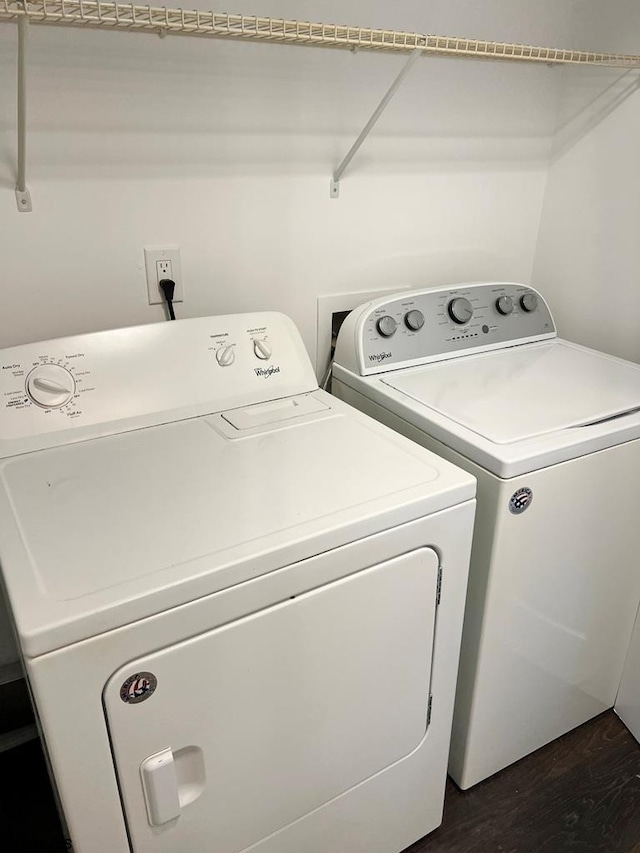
73	388
430	325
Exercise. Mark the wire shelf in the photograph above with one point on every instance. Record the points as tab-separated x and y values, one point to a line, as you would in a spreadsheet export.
161	20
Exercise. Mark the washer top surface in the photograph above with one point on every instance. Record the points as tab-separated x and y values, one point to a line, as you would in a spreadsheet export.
517	394
479	368
108	520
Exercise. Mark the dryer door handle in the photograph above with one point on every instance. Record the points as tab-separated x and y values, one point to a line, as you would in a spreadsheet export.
160	786
172	780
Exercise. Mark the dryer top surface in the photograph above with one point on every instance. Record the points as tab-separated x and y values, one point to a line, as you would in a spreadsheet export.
100	533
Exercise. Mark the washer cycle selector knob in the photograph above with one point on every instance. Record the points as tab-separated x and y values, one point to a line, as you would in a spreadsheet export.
504	304
529	302
414	320
50	386
262	349
386	326
460	310
225	356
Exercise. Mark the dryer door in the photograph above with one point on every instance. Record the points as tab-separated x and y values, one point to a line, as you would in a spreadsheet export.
256	723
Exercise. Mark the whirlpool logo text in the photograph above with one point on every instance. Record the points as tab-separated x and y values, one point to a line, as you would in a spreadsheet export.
379	356
266	372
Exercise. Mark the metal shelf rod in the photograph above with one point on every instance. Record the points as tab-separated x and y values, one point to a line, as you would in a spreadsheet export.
334	189
23	196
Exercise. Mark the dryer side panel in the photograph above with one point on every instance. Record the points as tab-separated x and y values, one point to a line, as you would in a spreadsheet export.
257	723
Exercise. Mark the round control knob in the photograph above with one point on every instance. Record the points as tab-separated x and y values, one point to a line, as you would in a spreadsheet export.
386	326
50	386
225	356
504	304
414	320
460	310
262	349
529	302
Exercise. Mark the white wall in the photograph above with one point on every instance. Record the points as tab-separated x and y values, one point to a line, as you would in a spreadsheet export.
588	255
227	149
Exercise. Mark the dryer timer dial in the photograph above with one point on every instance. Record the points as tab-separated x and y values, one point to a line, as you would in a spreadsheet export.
50	386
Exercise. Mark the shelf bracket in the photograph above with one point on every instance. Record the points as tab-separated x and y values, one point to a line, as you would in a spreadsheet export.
23	196
334	188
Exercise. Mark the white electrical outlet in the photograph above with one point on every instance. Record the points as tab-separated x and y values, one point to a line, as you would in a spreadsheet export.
164	269
163	263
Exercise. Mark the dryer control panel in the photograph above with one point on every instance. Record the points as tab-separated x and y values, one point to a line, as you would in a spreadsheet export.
79	387
430	325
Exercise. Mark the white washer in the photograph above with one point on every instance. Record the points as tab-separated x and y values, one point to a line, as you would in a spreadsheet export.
239	601
477	374
628	699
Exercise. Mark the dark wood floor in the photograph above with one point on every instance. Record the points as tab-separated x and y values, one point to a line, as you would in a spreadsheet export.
580	794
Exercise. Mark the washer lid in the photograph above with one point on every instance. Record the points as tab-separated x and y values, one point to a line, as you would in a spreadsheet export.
528	391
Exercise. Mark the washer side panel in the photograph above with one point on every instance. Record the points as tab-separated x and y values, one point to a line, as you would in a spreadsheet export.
552	598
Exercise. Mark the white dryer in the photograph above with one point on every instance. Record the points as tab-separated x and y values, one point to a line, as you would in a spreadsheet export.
477	374
239	601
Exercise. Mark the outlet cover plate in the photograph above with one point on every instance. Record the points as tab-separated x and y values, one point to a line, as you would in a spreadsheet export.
153	254
330	305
